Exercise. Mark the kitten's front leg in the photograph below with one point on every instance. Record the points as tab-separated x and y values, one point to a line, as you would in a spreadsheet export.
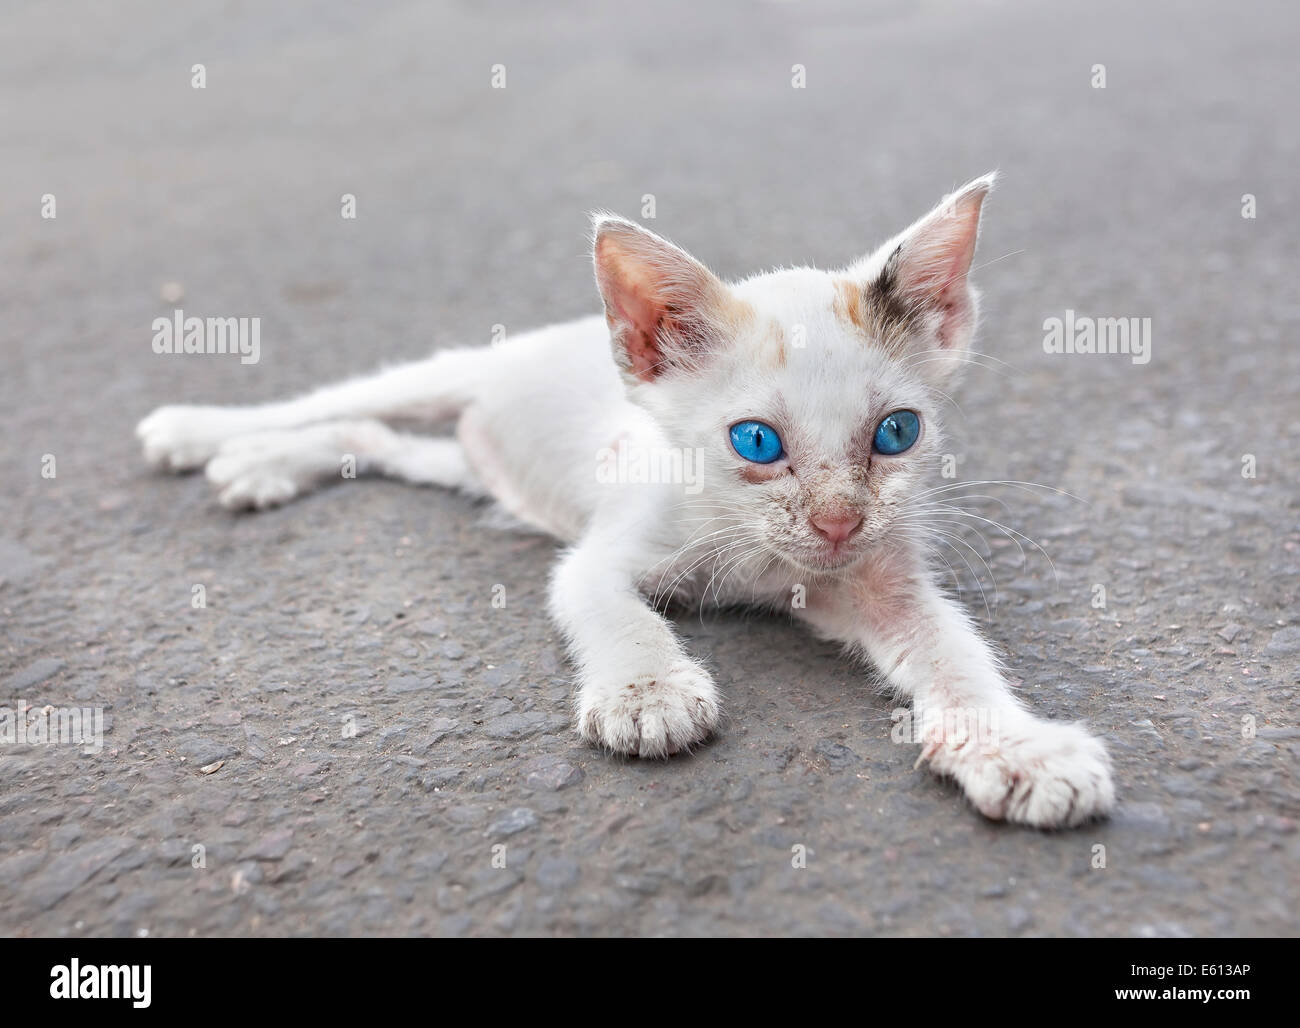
639	692
1011	764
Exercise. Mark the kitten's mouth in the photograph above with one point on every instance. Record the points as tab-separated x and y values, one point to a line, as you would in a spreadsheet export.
827	559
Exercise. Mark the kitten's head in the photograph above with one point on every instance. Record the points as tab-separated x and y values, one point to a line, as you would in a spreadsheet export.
814	395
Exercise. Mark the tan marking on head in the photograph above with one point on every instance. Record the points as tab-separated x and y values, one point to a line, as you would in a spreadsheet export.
736	314
773	345
849	304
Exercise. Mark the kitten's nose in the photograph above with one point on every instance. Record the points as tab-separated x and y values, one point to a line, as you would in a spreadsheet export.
836	529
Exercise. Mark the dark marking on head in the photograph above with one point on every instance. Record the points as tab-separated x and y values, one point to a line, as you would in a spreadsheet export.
892	314
888	277
878	310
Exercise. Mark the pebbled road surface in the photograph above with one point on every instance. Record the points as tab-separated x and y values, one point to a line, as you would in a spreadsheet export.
383	725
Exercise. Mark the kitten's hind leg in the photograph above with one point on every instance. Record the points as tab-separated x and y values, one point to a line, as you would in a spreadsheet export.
179	438
270	468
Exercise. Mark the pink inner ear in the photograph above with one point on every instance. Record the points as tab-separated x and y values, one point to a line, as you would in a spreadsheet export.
642	352
637	313
649	285
934	266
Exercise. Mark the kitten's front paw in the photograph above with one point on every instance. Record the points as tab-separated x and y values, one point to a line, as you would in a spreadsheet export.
1042	773
653	715
179	438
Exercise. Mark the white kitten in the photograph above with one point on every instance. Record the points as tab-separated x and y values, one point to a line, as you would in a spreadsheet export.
796	414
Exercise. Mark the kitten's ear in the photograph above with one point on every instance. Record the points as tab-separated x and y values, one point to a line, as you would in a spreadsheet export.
666	310
923	271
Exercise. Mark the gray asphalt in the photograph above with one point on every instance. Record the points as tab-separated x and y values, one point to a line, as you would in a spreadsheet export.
371	604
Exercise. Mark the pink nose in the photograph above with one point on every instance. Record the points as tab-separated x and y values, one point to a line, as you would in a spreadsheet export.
837	529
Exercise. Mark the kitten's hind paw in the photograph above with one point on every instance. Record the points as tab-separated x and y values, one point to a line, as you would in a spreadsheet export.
179	438
267	469
651	715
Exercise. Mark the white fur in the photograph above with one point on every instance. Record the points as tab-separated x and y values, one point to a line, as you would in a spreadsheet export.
536	413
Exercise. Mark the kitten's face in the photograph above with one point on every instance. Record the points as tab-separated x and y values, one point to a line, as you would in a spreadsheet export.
791	424
814	395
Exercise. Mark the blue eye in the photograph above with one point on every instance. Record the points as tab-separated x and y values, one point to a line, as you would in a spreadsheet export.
897	432
757	442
